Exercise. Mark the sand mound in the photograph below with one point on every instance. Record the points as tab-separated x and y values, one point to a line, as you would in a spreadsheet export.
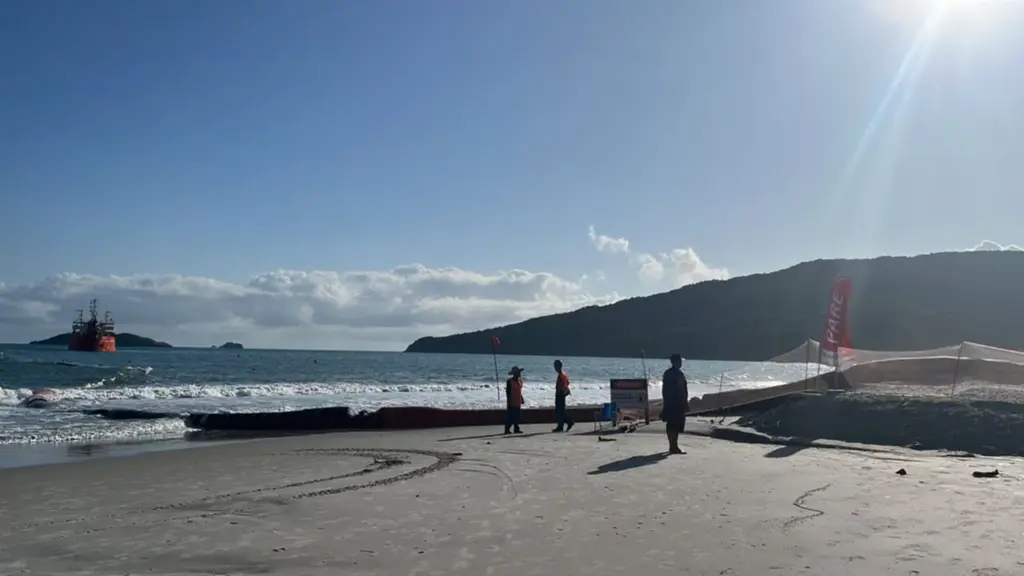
980	427
975	380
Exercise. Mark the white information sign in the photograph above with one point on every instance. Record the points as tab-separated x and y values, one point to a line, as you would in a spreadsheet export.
630	398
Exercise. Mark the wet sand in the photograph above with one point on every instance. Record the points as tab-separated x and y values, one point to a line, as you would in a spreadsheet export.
18	455
467	501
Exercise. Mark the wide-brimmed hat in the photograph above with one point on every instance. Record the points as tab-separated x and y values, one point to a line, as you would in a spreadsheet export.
515	371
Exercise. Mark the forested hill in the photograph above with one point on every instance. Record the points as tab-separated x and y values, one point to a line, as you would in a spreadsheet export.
898	303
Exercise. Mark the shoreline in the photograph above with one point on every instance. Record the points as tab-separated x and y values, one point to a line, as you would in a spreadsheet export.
856	417
862	417
863	404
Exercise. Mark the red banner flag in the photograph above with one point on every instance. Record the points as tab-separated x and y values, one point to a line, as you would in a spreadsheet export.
837	321
494	341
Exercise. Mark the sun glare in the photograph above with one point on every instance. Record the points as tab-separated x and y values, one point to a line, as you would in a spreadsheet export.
969	5
914	11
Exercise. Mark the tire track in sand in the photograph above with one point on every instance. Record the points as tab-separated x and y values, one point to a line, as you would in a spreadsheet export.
384	458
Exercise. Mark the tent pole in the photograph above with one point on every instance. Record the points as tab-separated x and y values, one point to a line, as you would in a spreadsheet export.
956	370
807	364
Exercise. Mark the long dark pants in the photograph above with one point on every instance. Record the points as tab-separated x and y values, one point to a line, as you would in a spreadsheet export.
512	417
673	428
675	424
561	413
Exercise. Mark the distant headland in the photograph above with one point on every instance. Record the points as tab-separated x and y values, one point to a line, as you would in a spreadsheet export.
897	303
124	340
231	346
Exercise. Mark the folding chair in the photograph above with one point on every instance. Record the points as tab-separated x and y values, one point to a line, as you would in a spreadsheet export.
609	413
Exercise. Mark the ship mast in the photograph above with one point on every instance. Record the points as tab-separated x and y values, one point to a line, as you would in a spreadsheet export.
93	335
107	326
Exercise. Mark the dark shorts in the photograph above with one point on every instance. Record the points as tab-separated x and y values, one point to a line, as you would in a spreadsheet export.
677	425
674	418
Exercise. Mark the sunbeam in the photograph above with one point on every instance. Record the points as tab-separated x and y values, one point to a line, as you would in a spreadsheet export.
912	60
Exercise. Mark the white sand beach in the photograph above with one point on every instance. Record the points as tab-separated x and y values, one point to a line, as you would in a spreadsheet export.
466	501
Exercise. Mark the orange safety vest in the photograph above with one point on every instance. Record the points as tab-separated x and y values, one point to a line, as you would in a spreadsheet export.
562	383
514	392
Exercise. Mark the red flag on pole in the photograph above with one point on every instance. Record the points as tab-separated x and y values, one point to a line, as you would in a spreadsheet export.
837	322
494	341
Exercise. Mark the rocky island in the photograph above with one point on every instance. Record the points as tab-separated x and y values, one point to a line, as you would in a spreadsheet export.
124	340
897	303
232	346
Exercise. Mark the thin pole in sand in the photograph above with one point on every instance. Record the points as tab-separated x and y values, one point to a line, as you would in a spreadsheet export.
494	354
956	369
721	383
807	363
835	365
647	382
817	377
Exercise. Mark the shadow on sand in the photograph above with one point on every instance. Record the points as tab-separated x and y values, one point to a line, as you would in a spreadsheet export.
629	463
786	446
786	451
497	436
222	435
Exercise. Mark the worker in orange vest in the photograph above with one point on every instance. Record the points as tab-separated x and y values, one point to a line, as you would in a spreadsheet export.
564	422
513	400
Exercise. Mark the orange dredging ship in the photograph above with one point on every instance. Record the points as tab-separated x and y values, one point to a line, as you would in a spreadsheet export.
93	335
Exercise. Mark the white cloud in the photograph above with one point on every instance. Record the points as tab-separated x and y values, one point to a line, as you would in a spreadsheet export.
607	243
663	270
676	268
293	309
990	246
375	309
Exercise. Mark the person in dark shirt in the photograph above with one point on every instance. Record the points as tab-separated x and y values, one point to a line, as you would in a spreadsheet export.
675	403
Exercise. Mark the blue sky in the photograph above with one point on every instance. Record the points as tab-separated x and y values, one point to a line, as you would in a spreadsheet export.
222	140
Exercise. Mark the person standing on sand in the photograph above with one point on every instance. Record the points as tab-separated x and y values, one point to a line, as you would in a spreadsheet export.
513	399
564	422
675	403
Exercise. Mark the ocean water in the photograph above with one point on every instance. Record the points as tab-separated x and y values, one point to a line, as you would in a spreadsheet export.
183	380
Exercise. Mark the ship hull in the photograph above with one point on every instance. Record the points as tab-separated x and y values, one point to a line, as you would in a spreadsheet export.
81	343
